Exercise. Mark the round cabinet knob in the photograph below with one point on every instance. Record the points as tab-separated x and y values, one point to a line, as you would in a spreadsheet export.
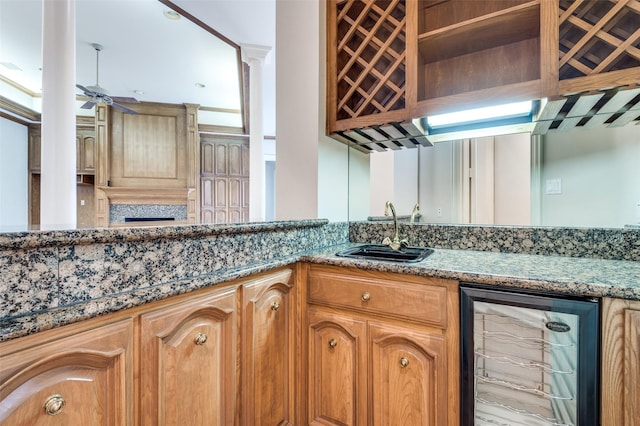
200	339
333	343
275	306
366	296
54	405
404	362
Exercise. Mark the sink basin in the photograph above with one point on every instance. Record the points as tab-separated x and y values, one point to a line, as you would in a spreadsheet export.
382	252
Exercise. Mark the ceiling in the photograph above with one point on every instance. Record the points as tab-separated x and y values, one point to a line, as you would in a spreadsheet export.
146	52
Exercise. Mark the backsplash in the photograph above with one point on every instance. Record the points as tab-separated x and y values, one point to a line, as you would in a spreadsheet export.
597	243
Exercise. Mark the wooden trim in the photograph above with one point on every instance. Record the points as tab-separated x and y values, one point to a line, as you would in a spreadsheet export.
213	129
120	195
549	36
20	87
620	364
225	110
331	69
508	93
19	110
599	81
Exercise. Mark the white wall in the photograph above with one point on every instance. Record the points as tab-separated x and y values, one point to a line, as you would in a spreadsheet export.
359	185
600	174
297	109
438	192
13	176
311	173
382	177
512	183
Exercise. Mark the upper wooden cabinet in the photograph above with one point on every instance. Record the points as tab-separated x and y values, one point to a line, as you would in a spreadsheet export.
392	61
85	150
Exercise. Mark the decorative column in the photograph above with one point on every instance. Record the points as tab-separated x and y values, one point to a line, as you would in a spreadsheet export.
255	55
58	155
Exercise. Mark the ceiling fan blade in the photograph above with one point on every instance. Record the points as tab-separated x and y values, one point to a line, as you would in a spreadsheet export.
81	87
123	108
89	104
125	100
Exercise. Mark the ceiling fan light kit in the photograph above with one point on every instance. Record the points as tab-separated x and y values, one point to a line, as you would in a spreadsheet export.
99	94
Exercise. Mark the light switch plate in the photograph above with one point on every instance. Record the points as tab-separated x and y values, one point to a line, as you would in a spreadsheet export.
554	186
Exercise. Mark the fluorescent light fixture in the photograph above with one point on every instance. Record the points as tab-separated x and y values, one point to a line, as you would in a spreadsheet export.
480	115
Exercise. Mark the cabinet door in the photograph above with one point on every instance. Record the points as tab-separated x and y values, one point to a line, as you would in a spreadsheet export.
620	391
86	154
409	377
187	366
268	350
82	379
337	369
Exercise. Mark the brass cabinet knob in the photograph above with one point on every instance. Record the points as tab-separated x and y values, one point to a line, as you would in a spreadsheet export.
333	343
54	405
200	339
404	362
366	296
275	306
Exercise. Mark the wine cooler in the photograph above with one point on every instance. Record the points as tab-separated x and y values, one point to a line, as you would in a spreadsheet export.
528	359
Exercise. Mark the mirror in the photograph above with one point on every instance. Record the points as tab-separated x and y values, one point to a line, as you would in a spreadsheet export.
172	61
577	178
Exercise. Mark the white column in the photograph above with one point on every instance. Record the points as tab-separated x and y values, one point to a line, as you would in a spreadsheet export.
255	55
58	167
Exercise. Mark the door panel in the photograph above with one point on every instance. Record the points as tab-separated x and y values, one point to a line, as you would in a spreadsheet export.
337	369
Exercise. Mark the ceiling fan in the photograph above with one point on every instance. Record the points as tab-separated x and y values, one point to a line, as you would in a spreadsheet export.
99	94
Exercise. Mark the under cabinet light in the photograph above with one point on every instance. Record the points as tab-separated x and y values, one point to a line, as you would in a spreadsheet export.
481	115
493	120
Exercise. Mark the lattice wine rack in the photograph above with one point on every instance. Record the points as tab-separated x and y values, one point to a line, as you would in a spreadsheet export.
371	56
598	36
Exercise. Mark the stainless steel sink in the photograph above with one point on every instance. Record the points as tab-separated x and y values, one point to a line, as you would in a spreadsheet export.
382	252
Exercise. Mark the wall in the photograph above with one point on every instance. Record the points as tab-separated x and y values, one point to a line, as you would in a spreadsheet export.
599	173
438	200
13	176
512	184
311	172
297	109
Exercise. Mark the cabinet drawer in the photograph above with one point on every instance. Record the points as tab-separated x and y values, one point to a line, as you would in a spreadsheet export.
415	301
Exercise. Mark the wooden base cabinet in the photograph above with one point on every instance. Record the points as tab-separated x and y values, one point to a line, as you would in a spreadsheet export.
337	369
268	350
383	349
188	362
77	377
620	362
216	357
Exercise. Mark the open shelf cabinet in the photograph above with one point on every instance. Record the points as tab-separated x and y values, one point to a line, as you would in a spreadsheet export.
467	47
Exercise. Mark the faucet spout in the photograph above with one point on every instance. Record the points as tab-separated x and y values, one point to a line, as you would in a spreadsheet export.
414	213
396	243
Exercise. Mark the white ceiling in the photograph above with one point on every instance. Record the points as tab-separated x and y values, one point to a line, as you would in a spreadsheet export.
145	51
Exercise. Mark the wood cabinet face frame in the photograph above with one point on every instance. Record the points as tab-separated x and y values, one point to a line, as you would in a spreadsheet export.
141	346
368	341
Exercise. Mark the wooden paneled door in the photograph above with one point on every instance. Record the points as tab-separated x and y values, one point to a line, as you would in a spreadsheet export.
84	378
188	366
224	179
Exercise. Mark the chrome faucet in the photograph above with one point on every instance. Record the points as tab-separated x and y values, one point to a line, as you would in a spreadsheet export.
414	213
396	243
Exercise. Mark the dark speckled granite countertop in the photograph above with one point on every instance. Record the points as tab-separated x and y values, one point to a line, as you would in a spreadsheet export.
553	274
55	278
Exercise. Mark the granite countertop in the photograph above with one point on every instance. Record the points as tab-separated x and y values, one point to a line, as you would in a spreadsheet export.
553	274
